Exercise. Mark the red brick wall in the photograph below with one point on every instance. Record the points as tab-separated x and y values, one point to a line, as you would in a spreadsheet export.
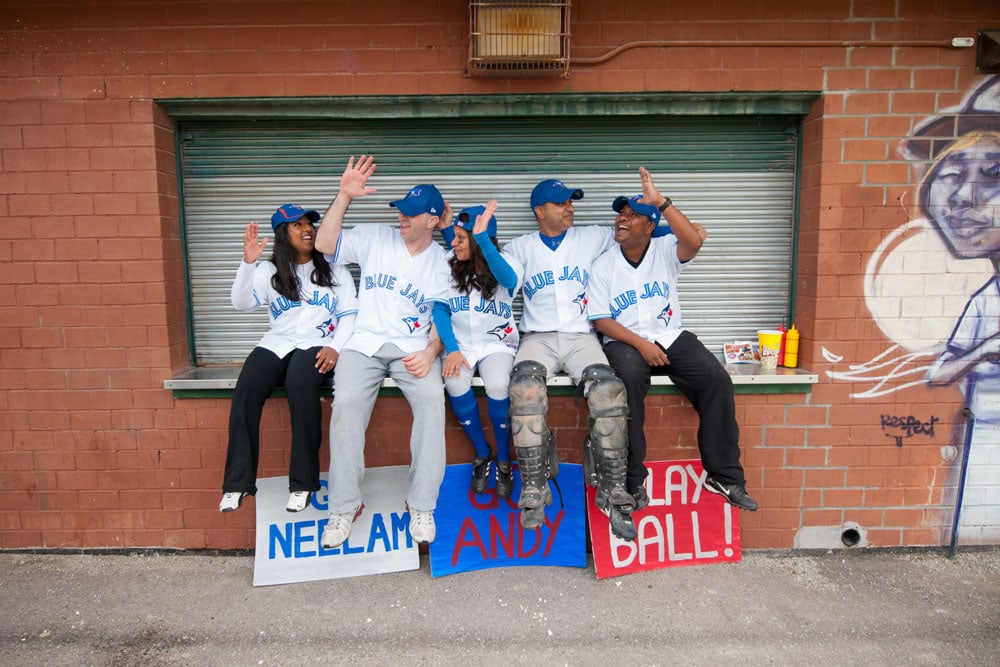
94	452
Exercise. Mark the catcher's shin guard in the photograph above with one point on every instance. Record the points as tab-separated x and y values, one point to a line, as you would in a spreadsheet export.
528	406
606	448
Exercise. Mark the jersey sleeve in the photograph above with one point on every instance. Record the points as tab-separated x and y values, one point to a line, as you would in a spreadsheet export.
599	289
353	244
346	291
448	235
666	249
515	248
345	327
249	290
502	270
437	290
442	321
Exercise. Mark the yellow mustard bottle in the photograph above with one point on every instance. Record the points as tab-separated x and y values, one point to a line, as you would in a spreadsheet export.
792	348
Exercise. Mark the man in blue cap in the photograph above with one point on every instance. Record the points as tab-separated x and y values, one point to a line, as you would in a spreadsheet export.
634	304
400	281
556	336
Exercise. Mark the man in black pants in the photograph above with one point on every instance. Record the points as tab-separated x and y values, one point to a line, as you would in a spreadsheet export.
633	302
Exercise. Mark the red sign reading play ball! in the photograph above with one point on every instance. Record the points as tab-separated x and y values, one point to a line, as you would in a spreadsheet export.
684	524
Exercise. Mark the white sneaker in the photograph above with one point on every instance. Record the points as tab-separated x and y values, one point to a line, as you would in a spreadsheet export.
338	528
232	500
422	528
298	501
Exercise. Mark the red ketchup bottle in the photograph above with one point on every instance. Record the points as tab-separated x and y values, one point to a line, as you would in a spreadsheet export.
781	350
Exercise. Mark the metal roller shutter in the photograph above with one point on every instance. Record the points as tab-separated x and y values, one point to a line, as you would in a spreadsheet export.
735	174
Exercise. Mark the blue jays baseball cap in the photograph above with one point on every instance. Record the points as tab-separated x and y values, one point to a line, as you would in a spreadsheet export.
466	219
291	213
420	199
553	191
647	210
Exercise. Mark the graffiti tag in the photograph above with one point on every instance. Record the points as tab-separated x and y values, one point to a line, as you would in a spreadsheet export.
906	427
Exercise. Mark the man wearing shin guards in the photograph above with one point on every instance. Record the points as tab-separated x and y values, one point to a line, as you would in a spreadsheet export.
556	336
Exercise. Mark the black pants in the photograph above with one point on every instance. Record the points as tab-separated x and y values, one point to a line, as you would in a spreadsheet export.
262	372
706	384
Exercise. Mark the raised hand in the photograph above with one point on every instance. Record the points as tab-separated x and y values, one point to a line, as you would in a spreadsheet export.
446	218
483	221
650	194
353	180
252	247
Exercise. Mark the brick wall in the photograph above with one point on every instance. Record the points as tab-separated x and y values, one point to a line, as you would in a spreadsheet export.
94	452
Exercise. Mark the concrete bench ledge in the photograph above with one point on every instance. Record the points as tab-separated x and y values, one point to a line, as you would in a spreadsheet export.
224	377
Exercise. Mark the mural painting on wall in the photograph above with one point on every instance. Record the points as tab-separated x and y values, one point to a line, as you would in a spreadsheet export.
933	288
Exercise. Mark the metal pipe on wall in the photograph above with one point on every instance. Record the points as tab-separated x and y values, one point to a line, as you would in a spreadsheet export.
970	424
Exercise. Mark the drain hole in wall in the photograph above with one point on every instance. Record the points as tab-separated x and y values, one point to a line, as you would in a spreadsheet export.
850	537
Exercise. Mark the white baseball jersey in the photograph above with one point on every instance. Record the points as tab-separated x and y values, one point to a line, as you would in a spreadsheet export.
483	326
396	292
642	299
555	281
323	317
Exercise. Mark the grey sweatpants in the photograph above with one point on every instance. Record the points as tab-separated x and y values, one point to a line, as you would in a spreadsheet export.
360	377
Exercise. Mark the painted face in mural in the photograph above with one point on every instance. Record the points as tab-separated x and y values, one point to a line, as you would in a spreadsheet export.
961	195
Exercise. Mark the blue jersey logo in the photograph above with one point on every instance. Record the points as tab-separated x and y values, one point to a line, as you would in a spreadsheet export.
412	322
502	331
327	328
665	315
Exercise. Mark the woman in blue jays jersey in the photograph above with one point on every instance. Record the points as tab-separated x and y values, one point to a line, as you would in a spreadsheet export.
312	307
478	331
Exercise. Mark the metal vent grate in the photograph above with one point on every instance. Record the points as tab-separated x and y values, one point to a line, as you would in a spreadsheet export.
519	38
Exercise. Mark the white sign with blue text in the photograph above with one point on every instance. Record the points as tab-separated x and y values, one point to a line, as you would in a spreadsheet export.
288	544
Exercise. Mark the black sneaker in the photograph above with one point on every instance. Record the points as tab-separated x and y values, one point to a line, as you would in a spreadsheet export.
735	494
505	480
481	473
619	516
641	498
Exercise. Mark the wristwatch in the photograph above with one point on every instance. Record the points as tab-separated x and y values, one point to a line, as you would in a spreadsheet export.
665	205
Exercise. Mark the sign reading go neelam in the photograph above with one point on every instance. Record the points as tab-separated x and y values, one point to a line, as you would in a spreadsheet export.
288	545
683	525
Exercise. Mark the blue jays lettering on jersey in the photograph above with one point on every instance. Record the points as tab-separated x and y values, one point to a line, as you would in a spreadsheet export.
483	326
555	290
392	283
397	290
643	303
321	300
648	290
315	320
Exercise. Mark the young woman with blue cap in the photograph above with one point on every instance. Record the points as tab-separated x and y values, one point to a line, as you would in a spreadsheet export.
312	306
478	331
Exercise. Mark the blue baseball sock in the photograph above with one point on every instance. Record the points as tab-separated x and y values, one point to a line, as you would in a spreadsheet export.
467	411
499	412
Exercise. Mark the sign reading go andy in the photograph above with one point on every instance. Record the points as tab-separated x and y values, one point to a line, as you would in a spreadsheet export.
477	531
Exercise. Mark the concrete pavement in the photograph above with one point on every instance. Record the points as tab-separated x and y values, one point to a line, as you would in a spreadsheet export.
834	608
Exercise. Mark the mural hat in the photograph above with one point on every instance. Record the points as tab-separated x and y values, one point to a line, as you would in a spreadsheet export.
979	112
